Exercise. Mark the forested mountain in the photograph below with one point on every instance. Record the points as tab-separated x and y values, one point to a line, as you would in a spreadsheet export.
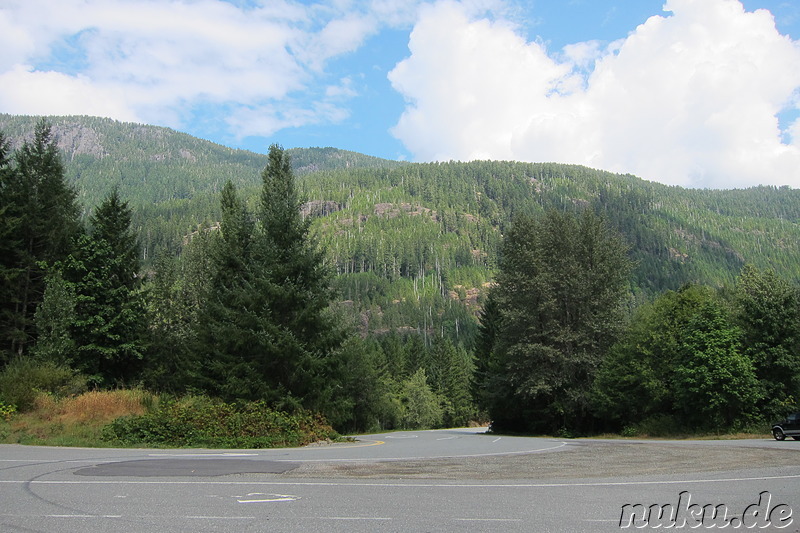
415	245
151	164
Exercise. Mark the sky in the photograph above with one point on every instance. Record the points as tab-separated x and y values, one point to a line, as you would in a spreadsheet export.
696	93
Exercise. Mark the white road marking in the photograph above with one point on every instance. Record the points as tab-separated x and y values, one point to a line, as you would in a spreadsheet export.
220	517
402	485
226	454
83	516
446	438
497	439
355	518
251	498
488	519
38	461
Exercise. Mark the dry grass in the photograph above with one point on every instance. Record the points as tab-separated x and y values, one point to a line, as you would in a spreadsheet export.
76	420
100	406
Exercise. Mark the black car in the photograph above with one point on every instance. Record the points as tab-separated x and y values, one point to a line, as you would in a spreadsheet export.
788	427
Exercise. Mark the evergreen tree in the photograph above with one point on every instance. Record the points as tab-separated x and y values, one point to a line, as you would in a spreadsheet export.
235	330
10	249
559	292
421	406
55	318
449	370
41	214
488	330
177	292
109	325
267	332
298	287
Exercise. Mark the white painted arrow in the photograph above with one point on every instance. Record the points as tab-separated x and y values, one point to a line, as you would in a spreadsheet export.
270	498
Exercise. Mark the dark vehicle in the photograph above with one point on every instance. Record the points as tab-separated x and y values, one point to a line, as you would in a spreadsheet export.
788	427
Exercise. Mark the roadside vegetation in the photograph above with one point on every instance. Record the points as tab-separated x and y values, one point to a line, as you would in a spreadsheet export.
138	418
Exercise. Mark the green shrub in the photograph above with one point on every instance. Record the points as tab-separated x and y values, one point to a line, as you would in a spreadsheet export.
25	377
630	431
660	426
198	421
7	411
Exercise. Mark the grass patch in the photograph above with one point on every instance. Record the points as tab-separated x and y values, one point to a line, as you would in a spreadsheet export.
75	420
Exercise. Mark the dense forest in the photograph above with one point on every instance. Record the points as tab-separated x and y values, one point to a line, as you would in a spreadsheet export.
415	256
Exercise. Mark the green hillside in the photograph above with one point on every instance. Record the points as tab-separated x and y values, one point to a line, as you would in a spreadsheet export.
414	245
161	171
151	164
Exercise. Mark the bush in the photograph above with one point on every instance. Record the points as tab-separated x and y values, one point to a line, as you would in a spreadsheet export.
421	406
7	411
659	426
24	378
198	421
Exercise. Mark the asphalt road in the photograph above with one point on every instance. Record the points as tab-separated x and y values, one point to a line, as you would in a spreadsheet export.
448	480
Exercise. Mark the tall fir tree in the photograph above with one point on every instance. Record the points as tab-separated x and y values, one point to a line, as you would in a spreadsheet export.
234	330
109	325
267	332
298	285
10	247
488	331
42	216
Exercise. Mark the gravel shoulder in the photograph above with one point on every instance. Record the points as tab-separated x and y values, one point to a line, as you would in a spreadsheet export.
578	459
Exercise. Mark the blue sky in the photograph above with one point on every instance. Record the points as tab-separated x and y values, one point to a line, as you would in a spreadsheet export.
700	93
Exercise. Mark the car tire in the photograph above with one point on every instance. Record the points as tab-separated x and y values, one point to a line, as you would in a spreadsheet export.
778	434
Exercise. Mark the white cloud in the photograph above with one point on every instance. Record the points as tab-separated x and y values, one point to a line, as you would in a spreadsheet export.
165	61
467	81
689	98
51	93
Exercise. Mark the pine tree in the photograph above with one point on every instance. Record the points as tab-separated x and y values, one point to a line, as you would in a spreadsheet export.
449	369
177	293
488	331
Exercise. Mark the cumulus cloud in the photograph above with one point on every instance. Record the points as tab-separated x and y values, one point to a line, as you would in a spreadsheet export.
259	66
689	98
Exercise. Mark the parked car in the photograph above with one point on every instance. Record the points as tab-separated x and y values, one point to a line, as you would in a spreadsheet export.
788	427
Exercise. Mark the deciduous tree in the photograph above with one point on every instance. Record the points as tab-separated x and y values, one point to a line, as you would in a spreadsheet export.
559	294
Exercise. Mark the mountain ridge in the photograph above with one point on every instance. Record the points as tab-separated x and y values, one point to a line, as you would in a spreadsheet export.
89	143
